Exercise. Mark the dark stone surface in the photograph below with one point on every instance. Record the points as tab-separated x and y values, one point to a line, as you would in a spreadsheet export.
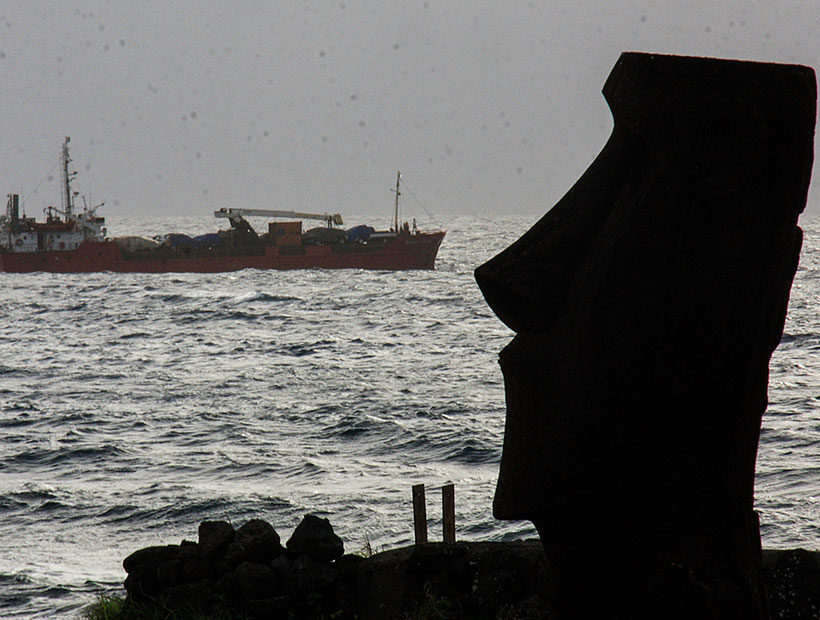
142	582
248	571
314	536
257	581
150	555
468	580
313	576
195	569
169	573
647	304
283	567
214	537
143	568
477	578
259	541
510	580
188	550
192	595
346	595
793	580
348	565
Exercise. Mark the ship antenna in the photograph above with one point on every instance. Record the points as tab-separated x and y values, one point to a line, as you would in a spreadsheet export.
68	207
396	213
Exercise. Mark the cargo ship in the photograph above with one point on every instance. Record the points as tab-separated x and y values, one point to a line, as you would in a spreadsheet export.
69	241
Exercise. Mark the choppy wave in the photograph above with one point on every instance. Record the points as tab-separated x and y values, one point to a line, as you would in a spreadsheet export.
133	406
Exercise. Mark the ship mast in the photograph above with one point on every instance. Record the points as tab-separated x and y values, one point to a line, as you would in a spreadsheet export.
68	205
396	213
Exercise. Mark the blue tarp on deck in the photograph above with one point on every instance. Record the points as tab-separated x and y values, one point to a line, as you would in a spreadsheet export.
362	232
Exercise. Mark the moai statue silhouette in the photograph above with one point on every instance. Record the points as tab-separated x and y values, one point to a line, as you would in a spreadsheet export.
646	304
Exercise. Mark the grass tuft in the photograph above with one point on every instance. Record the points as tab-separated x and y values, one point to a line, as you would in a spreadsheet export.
434	607
110	607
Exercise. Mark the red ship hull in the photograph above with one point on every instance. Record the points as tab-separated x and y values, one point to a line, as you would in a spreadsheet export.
417	251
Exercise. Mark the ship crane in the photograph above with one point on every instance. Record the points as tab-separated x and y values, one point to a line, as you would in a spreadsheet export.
237	215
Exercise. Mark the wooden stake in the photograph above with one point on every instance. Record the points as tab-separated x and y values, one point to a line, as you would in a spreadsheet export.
419	514
448	517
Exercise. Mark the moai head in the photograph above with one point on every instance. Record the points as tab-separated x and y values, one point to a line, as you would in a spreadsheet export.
647	303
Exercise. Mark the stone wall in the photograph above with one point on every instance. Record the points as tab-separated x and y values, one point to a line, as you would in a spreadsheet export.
248	570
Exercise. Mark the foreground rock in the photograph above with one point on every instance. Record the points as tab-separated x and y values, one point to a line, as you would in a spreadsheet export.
469	580
248	571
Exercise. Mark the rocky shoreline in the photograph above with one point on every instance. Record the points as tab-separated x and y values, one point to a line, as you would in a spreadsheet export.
249	571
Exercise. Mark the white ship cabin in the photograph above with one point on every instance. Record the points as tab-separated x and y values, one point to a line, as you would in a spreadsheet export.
24	234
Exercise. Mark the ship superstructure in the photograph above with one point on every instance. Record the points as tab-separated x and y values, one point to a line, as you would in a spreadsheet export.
63	230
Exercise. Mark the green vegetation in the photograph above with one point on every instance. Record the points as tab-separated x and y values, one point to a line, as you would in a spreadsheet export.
434	607
431	607
118	608
106	608
367	549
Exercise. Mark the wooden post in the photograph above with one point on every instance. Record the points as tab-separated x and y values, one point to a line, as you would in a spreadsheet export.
448	507
419	514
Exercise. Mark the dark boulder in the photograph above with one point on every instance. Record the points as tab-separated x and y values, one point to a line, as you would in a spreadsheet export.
142	583
348	565
256	581
153	556
283	567
257	541
481	579
314	536
313	576
148	568
196	569
194	595
346	588
188	550
214	538
169	573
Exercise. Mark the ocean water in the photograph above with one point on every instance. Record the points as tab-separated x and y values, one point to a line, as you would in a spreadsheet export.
134	406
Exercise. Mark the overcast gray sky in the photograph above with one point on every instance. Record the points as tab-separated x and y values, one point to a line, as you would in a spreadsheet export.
487	107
